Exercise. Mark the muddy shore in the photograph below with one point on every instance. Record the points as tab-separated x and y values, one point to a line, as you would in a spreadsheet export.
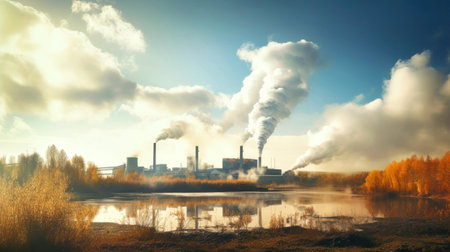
382	235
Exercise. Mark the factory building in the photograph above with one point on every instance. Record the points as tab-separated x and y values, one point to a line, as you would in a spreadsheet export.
159	168
230	167
234	164
132	164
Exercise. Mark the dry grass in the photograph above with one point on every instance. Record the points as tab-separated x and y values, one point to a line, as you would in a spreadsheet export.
39	215
276	222
181	219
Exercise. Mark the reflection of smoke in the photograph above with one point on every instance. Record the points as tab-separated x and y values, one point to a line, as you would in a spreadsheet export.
281	71
175	130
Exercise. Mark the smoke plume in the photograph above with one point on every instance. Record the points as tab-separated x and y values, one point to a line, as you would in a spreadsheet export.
176	130
192	125
413	116
278	83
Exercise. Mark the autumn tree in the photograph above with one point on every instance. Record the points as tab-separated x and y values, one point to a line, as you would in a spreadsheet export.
75	171
92	173
412	176
2	165
51	156
26	166
119	174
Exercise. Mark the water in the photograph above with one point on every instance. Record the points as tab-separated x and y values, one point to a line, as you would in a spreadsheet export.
323	210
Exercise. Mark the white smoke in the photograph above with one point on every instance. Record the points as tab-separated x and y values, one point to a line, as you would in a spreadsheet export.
413	116
275	86
176	130
190	125
278	83
253	174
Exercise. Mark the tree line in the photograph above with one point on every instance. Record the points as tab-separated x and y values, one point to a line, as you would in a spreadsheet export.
415	175
24	167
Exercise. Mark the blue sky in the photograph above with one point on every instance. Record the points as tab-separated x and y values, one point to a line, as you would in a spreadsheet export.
195	43
359	40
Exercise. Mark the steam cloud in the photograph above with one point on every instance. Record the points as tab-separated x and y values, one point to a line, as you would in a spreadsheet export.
278	83
413	116
176	130
193	124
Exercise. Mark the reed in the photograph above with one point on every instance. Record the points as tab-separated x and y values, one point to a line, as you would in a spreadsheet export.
39	215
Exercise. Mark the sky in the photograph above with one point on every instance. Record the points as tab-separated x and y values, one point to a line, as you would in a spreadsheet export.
316	85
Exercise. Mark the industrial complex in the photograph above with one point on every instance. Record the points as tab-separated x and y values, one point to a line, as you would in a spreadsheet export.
232	168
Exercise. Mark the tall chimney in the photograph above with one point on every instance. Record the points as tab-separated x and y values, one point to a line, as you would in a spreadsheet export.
259	162
241	157
154	156
196	159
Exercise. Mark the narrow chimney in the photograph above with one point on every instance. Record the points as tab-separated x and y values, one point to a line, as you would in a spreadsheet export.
154	156
196	159
259	162
241	157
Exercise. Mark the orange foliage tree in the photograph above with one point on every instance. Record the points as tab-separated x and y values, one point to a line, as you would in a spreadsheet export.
412	176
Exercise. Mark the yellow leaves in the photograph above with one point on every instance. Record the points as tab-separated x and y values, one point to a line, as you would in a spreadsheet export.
413	176
92	173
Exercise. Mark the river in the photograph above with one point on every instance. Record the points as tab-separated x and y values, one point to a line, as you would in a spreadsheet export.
317	209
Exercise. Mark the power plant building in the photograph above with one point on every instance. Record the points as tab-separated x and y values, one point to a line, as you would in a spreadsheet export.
230	166
132	164
234	164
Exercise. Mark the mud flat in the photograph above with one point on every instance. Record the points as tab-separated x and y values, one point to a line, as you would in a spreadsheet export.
383	235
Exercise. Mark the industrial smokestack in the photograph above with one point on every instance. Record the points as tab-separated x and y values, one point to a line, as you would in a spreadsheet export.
259	162
241	157
196	159
154	155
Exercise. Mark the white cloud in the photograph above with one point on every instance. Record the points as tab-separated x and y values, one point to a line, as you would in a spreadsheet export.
109	23
151	101
413	116
19	125
277	83
2	114
57	73
81	6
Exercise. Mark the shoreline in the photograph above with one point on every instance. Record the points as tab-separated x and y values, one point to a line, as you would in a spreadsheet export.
384	234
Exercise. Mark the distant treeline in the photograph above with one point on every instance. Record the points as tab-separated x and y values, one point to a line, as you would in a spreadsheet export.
325	179
417	176
85	179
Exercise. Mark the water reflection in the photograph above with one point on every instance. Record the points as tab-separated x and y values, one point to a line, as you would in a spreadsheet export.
246	210
404	207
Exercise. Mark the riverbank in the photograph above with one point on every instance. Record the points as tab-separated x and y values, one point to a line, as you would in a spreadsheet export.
384	235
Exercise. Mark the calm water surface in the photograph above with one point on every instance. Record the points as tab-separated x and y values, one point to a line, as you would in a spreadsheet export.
322	210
